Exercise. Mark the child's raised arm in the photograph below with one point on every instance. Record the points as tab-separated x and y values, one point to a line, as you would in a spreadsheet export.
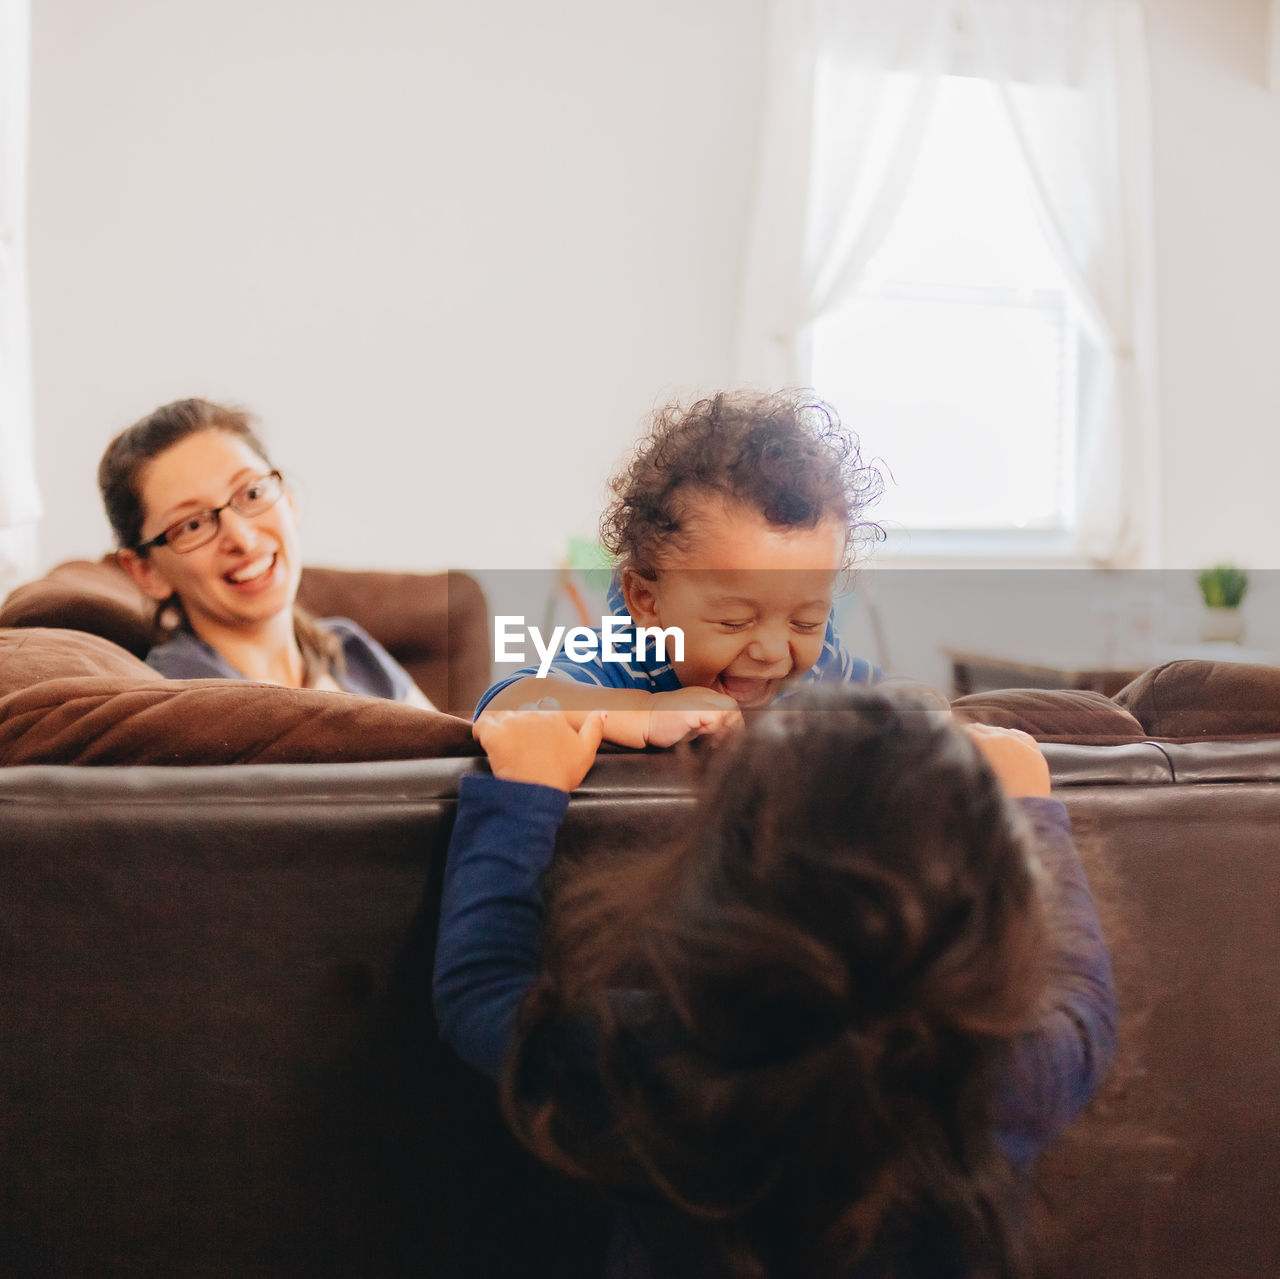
1052	1071
491	902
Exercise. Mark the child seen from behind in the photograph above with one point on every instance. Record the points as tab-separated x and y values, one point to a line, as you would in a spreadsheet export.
823	1034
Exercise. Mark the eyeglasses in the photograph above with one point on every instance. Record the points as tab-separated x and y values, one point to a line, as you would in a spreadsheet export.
194	531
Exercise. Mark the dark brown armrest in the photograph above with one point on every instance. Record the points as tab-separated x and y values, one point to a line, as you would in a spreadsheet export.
1205	699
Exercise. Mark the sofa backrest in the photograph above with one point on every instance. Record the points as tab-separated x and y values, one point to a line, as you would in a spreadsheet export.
220	1055
435	625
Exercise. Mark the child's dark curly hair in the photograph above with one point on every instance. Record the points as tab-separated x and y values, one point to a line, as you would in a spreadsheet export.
787	455
816	981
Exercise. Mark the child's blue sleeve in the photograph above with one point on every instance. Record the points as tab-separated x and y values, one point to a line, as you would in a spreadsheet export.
1053	1070
488	950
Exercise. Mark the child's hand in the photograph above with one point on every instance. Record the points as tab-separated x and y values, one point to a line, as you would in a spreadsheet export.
540	744
690	712
1014	757
668	718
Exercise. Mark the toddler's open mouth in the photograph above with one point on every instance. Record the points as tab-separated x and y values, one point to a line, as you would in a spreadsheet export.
747	690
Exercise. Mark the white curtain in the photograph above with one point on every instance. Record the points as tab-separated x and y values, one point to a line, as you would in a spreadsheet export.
19	496
842	133
1072	77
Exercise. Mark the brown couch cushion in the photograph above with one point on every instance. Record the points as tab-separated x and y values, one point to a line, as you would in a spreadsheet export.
86	595
1204	699
71	698
29	655
95	720
1051	714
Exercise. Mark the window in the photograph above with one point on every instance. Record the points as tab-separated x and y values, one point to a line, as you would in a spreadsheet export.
951	240
959	355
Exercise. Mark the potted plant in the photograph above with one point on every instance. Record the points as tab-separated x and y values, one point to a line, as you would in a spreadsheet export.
1223	588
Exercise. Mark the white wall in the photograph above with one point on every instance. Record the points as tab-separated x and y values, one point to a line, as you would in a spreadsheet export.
1216	128
453	254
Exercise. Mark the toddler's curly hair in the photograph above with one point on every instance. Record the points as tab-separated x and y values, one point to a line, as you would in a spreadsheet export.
787	455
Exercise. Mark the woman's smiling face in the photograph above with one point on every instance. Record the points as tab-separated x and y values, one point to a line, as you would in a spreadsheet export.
752	598
249	572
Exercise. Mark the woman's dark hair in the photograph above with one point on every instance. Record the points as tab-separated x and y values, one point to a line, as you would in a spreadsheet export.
134	449
777	1036
119	481
786	455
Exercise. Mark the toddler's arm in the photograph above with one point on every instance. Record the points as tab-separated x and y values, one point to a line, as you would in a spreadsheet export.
491	904
634	717
1052	1071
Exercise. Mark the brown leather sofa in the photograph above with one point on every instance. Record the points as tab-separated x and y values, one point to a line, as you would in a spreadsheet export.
218	1052
435	625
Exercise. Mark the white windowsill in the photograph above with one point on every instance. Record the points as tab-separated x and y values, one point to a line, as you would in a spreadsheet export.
920	549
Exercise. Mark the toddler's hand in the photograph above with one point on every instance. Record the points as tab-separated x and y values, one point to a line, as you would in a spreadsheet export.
663	719
1014	757
540	744
690	712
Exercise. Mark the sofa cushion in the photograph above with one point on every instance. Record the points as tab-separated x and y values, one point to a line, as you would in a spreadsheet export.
71	698
86	595
29	655
1205	699
1051	714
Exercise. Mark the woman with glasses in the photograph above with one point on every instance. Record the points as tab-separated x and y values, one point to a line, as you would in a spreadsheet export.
207	528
